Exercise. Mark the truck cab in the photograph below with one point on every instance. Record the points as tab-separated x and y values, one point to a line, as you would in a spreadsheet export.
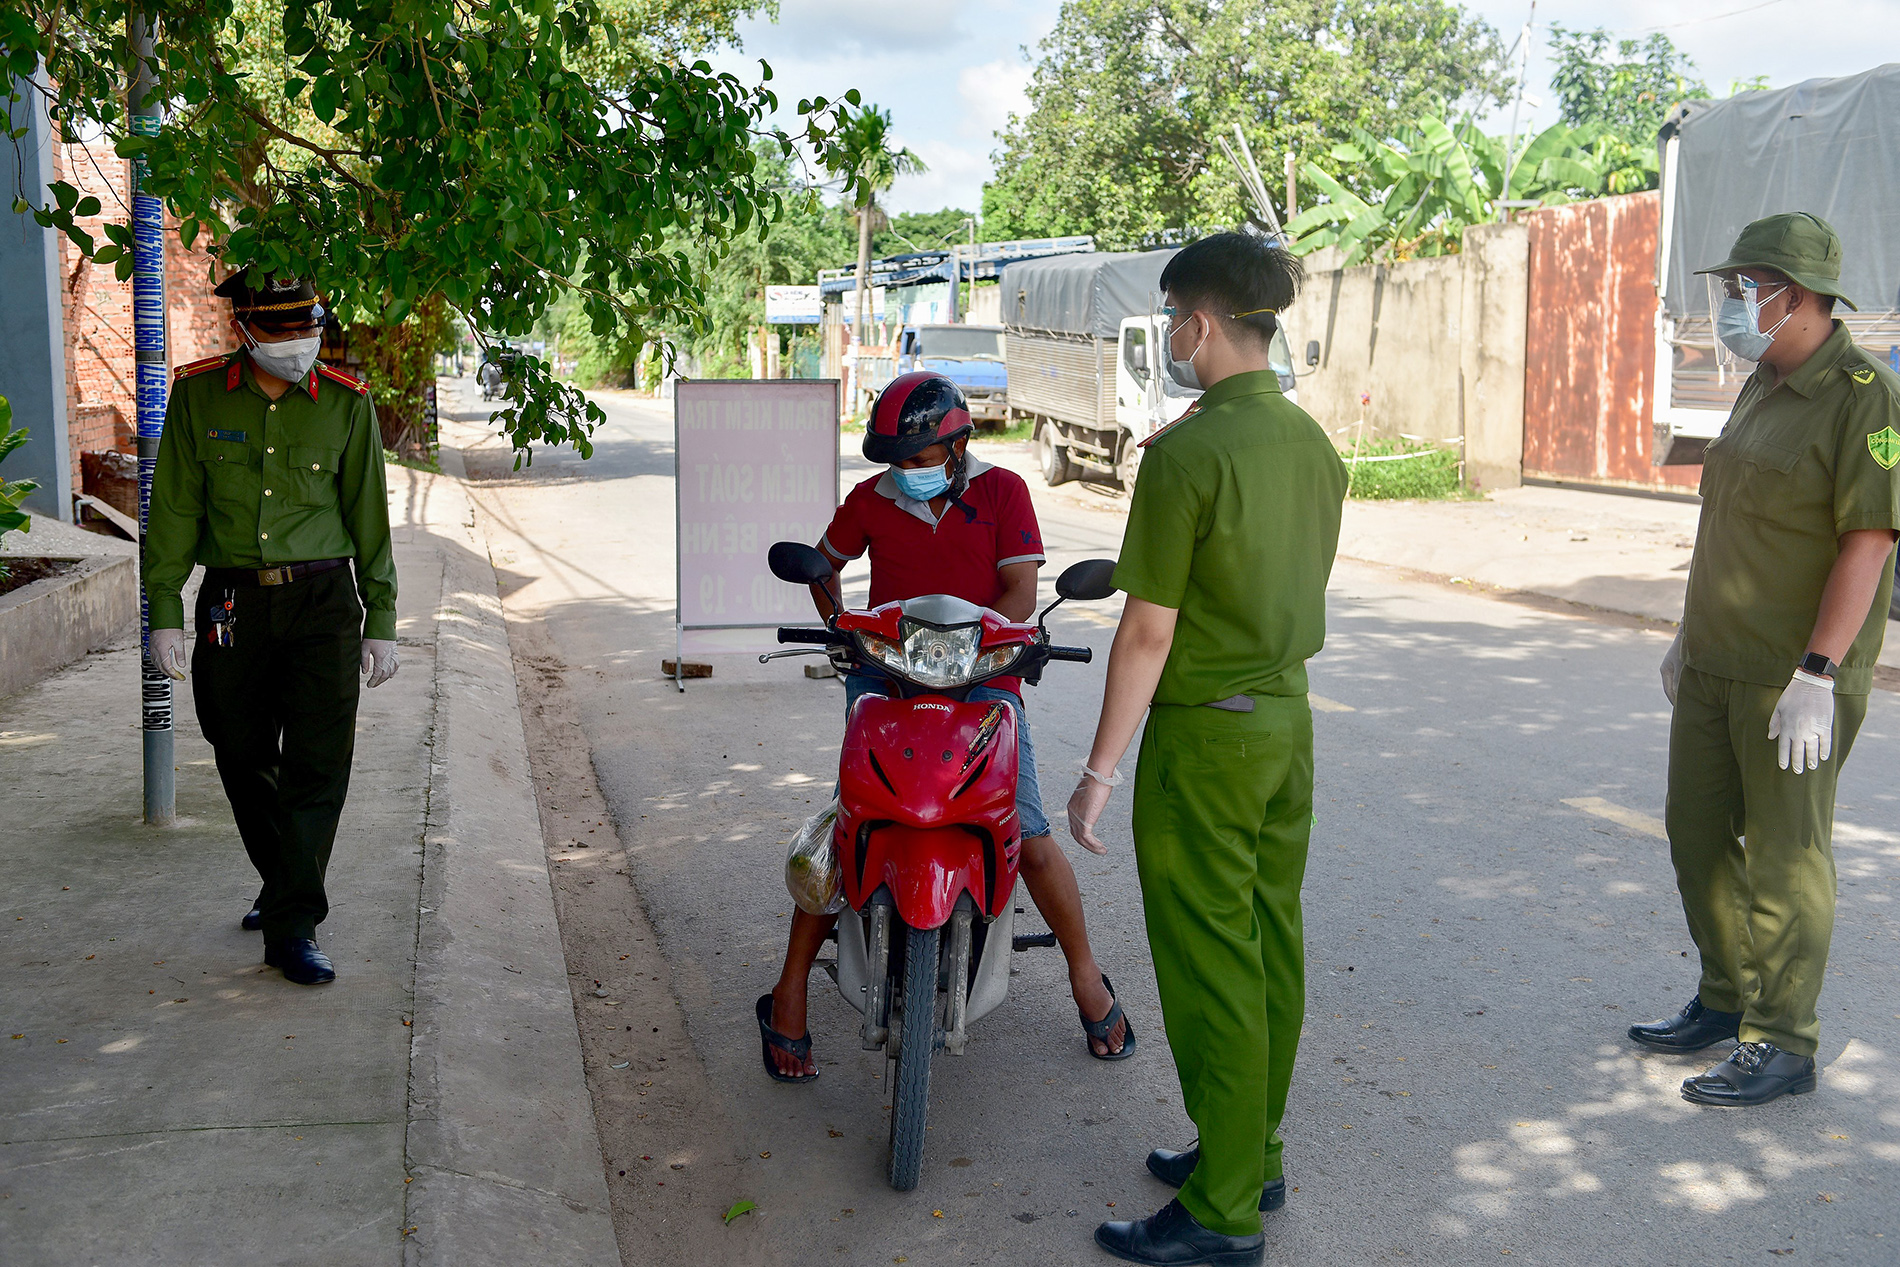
971	356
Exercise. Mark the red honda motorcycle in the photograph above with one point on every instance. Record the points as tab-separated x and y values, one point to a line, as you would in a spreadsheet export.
927	836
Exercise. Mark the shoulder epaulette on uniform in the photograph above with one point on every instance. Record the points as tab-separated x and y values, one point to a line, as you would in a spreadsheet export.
200	367
1162	431
350	381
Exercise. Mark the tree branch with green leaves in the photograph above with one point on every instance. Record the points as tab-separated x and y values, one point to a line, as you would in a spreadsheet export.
491	153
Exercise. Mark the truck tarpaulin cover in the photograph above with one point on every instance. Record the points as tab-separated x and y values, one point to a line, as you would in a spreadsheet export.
1082	294
1829	146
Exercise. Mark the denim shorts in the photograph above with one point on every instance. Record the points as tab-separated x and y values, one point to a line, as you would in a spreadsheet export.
1028	789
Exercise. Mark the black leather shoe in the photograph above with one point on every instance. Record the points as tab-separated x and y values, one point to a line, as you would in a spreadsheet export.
300	960
255	920
1173	1169
1754	1073
1691	1029
1172	1237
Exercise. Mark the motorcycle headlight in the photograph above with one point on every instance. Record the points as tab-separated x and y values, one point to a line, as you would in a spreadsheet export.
941	657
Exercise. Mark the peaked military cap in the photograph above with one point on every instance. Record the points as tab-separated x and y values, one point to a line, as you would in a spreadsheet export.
275	302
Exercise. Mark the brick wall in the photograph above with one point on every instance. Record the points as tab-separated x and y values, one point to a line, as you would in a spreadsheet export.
100	409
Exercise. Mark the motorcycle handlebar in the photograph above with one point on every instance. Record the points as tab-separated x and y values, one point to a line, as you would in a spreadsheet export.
1076	655
823	637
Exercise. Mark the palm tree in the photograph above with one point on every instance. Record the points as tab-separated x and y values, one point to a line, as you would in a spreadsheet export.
864	157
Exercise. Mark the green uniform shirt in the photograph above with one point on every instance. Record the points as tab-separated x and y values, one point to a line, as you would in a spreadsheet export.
1796	466
1234	522
247	482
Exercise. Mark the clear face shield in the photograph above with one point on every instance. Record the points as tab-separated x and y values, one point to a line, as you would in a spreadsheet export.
1735	305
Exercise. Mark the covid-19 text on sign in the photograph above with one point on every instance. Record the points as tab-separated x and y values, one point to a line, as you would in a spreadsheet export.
758	463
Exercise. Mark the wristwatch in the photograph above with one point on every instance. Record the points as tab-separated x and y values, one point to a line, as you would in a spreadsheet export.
1819	665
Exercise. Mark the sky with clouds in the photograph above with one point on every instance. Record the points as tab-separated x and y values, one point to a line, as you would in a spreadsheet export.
951	71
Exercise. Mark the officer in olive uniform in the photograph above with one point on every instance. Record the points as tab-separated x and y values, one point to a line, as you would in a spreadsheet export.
1787	604
1230	540
270	474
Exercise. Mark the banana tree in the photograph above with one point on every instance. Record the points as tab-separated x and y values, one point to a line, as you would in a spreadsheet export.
1434	183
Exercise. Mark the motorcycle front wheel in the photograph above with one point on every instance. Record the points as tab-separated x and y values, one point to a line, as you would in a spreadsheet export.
910	1079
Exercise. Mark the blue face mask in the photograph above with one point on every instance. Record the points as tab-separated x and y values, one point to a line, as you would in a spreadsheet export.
923	483
1738	322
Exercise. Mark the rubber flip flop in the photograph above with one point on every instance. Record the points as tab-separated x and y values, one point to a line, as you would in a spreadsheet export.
798	1049
1100	1030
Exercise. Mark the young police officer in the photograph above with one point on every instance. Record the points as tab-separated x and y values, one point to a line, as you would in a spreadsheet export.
1787	604
1229	544
270	473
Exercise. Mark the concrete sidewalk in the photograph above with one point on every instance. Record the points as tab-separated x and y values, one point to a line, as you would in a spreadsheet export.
165	1099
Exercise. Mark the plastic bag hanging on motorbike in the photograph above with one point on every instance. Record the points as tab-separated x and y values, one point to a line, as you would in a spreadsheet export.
811	865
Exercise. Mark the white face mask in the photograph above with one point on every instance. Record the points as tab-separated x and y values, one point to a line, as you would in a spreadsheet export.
1183	372
289	360
1738	322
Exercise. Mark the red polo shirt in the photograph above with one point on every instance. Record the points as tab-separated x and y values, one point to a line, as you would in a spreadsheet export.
914	553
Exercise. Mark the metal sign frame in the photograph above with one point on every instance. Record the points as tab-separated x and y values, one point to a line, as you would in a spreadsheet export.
682	391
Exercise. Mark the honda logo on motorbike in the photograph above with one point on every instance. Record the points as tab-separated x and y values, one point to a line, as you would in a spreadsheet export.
942	708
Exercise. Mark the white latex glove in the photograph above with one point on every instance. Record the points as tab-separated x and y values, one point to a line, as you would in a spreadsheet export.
1085	807
379	659
1672	668
1804	723
168	652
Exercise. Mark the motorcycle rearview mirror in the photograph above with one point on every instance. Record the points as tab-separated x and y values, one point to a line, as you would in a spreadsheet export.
798	563
1089	580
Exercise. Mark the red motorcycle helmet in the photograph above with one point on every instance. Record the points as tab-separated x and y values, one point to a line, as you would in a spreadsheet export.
913	412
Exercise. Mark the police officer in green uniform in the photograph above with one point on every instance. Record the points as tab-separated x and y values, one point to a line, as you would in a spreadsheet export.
1229	544
1787	604
270	474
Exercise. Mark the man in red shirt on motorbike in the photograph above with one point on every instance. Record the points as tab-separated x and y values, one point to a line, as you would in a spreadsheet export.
942	521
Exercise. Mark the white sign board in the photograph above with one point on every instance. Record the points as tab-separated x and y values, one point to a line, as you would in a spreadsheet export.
850	300
794	305
755	461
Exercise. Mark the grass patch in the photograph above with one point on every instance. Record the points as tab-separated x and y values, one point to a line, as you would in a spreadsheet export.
393	458
1431	475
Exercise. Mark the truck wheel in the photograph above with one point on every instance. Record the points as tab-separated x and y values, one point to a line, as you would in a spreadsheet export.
1056	467
1128	465
910	1079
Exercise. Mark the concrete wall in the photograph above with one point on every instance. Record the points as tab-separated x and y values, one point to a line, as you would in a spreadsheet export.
1590	380
32	348
46	625
1432	348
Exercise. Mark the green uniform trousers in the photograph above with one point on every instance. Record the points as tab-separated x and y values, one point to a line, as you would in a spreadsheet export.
1761	914
1222	816
279	708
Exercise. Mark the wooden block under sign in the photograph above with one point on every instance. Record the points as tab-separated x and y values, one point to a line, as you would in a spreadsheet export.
820	670
691	668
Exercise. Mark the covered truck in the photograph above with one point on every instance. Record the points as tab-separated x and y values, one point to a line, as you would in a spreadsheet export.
1084	344
1827	146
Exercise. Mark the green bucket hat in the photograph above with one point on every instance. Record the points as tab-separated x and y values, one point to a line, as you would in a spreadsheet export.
1800	246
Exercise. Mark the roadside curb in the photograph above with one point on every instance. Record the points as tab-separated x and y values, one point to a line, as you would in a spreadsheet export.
502	1146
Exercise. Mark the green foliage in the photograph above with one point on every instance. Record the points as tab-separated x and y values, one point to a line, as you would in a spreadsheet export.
12	492
862	153
495	153
1129	96
1425	188
921	231
398	362
1431	475
1629	91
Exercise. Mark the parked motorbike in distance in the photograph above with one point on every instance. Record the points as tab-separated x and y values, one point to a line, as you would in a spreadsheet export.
927	838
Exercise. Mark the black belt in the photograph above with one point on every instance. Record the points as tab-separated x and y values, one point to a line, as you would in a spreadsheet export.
283	575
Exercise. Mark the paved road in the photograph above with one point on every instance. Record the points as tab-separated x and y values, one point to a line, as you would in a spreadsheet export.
1488	907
